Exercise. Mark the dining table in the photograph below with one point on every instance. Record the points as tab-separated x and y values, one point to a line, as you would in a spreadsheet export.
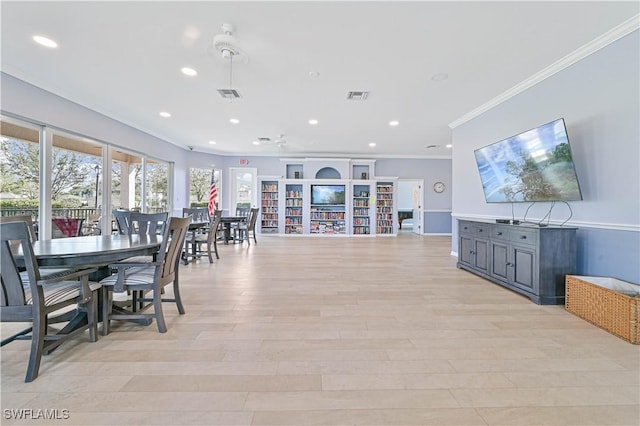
226	222
97	251
94	250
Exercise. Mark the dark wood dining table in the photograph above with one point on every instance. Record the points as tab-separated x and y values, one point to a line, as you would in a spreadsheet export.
226	222
95	250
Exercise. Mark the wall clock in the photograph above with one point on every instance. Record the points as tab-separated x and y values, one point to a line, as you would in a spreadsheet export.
438	187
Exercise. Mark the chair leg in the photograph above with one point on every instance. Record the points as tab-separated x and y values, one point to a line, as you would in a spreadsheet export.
37	345
215	247
157	309
254	237
106	308
92	316
209	253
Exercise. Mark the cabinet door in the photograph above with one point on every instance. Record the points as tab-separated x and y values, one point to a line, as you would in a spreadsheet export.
481	253
523	262
465	250
499	262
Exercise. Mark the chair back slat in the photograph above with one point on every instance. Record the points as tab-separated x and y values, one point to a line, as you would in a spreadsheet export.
15	238
253	216
198	214
147	223
122	221
171	247
214	225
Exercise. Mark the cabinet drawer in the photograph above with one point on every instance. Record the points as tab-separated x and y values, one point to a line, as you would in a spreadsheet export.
475	228
523	236
500	233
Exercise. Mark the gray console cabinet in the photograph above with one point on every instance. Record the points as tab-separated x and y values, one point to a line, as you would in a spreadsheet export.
530	260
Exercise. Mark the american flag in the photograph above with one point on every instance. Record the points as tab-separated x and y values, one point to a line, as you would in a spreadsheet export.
213	194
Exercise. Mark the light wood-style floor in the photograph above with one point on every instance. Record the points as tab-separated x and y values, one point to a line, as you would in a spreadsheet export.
366	331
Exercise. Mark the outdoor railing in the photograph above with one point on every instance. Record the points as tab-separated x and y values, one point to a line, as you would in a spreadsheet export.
69	212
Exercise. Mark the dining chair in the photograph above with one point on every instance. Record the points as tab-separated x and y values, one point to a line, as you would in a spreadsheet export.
199	214
34	302
209	238
249	226
141	277
121	217
22	218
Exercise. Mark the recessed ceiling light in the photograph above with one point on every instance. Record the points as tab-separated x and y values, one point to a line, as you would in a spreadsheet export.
256	142
314	74
394	123
440	76
45	41
449	145
234	121
313	121
372	144
212	142
165	114
189	71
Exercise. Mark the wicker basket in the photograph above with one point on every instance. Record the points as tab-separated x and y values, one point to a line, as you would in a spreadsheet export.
601	301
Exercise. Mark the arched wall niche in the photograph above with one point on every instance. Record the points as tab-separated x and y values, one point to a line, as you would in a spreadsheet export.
328	173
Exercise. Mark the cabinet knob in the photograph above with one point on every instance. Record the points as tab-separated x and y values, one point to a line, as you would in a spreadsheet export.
523	237
499	233
480	230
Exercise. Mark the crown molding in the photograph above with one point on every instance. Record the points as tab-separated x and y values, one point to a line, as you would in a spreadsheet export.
616	33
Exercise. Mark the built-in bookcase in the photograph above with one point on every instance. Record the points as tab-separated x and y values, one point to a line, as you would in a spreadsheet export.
293	209
269	207
384	208
328	219
361	218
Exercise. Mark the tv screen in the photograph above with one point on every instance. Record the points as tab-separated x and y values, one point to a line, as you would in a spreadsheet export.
535	165
327	194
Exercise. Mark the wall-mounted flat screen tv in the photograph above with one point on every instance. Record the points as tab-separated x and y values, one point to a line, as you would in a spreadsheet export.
535	165
327	194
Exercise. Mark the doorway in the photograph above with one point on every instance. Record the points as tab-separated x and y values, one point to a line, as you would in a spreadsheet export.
410	205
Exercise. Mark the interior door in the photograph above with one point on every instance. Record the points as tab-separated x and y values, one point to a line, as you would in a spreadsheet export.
417	208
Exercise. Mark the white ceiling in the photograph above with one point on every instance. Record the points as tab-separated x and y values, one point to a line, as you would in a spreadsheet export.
123	59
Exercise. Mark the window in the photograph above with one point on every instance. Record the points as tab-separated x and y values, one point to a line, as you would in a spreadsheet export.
200	185
243	188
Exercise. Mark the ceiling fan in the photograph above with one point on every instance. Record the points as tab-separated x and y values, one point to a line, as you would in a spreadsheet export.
280	142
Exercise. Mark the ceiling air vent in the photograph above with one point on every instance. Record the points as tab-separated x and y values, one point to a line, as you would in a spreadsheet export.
229	93
357	96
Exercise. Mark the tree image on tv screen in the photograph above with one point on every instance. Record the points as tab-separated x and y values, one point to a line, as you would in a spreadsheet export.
547	177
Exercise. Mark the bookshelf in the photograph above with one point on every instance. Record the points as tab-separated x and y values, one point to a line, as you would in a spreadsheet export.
293	199
361	220
269	207
328	219
384	208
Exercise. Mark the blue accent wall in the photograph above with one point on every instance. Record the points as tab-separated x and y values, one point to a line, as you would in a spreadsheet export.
598	98
437	222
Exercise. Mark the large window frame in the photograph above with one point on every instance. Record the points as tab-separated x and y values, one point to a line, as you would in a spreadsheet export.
107	153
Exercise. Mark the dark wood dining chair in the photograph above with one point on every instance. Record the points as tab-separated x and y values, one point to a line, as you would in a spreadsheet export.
121	217
146	277
199	214
22	218
209	238
37	300
245	228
